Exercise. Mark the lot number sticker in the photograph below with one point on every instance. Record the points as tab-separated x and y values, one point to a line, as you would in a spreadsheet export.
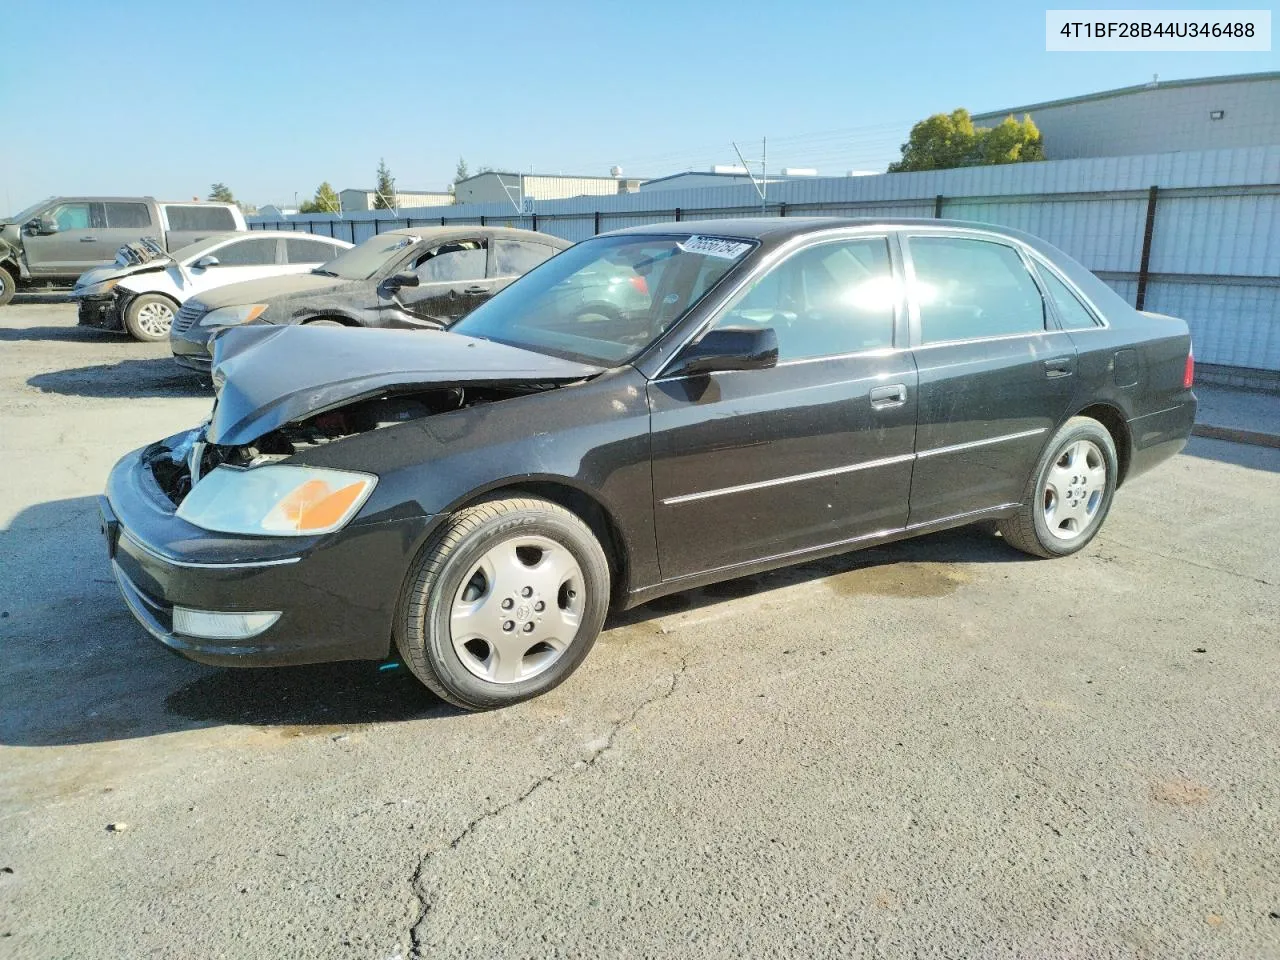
715	247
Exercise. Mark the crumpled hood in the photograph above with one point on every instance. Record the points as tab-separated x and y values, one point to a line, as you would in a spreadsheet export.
112	272
268	288
268	376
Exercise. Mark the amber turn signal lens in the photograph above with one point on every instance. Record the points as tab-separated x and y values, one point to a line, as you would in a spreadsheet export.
316	506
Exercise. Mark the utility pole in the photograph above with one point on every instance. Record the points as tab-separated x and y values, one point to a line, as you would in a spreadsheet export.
761	185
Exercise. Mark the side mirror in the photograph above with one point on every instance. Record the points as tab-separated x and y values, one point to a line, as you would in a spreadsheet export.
729	348
43	225
208	260
405	278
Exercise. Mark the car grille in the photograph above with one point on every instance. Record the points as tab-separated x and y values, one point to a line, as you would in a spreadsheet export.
191	312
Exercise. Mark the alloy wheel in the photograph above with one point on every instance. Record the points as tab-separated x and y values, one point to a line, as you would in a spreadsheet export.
1074	489
155	319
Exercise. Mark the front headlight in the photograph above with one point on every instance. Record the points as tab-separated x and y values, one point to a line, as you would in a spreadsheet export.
276	500
96	289
230	316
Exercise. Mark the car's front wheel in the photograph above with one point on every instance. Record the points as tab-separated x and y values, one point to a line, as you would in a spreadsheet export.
7	286
1069	494
150	317
503	603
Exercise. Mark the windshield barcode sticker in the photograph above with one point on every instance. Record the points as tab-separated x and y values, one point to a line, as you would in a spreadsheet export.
715	247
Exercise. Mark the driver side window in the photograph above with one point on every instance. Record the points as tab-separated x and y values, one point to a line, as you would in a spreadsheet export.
826	300
453	262
71	216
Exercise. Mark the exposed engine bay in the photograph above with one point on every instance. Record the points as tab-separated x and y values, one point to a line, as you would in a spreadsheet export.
179	466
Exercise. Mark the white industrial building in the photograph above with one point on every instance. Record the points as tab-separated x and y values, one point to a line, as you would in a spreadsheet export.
356	198
724	176
493	186
1211	113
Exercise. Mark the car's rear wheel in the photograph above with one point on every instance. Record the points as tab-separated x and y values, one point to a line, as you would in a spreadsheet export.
7	286
503	603
1069	494
150	317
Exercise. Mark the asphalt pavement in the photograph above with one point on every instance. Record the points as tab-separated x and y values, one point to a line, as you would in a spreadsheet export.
938	748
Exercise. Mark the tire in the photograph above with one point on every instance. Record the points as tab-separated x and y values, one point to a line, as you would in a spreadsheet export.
1069	494
149	317
503	602
8	286
324	323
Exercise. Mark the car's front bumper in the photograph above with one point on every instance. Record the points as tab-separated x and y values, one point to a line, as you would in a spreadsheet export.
336	594
99	312
191	347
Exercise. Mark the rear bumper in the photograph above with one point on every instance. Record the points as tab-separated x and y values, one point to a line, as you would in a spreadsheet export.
1160	435
336	595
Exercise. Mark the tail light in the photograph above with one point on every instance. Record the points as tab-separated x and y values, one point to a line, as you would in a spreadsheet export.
641	284
1189	371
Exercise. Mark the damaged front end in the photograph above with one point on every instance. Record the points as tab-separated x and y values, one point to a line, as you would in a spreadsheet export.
282	391
179	462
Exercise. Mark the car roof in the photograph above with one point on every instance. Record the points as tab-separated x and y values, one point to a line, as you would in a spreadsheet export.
286	234
781	229
437	234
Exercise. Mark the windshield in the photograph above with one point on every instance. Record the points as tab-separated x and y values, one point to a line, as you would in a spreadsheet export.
363	261
605	300
25	215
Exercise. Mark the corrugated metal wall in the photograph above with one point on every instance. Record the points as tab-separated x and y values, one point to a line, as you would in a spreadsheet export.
1215	245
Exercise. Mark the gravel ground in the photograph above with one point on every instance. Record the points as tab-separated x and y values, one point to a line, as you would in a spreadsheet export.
934	749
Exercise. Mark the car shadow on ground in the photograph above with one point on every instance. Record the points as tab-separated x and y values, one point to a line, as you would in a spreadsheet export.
1247	455
156	377
30	297
68	334
77	668
920	567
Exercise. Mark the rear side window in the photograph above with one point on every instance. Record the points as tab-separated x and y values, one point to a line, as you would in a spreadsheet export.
247	253
969	289
513	258
309	251
127	215
1073	314
193	217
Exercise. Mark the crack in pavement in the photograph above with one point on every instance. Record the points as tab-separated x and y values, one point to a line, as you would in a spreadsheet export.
575	766
1192	563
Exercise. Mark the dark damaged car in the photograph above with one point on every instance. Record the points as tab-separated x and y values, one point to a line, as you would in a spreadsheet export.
420	277
785	389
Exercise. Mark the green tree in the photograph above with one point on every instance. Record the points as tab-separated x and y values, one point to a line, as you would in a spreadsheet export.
1012	141
460	172
384	191
947	140
325	201
222	193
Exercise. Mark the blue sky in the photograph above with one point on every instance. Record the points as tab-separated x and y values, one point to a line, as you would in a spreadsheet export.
274	97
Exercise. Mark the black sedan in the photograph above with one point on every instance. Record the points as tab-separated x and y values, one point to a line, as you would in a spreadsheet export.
420	277
782	390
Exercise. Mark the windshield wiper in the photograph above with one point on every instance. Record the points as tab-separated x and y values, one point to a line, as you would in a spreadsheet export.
324	273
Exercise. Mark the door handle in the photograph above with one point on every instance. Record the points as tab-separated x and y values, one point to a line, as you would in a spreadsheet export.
1059	367
88	239
472	291
894	395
